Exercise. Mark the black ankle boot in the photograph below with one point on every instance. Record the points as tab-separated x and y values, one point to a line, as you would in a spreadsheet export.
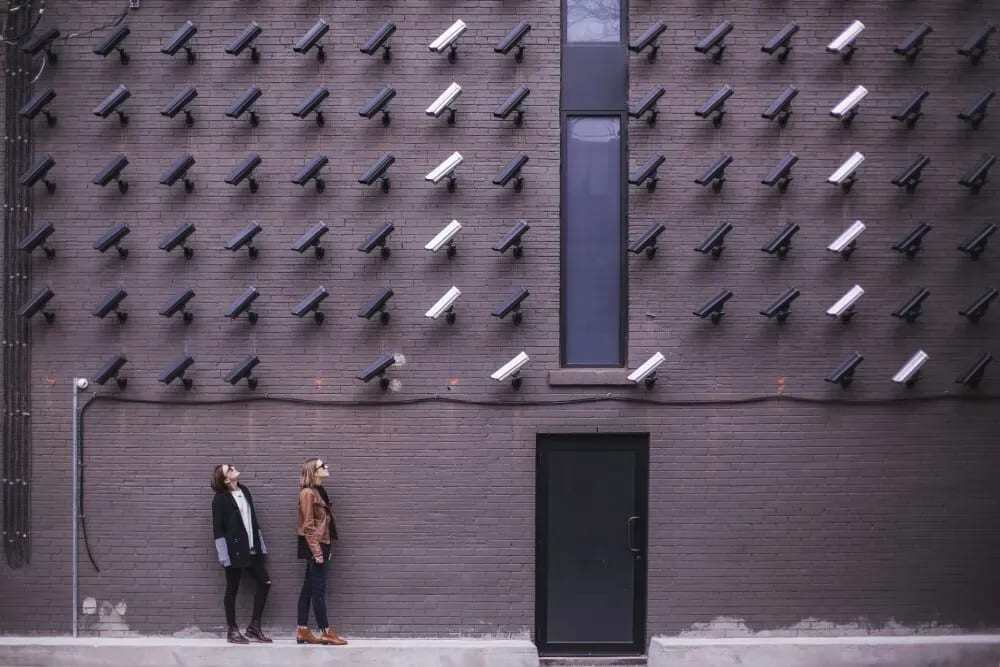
234	636
254	632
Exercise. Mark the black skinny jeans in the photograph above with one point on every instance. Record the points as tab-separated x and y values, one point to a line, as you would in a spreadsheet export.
256	570
314	591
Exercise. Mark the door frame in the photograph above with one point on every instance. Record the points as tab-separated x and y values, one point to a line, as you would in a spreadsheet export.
582	441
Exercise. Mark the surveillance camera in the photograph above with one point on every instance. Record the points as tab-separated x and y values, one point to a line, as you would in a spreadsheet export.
976	113
37	239
245	238
378	239
311	239
512	305
243	171
844	373
973	376
377	306
647	40
36	304
976	178
910	371
511	370
112	370
178	104
845	174
974	246
244	371
513	104
513	239
178	239
512	171
38	171
110	104
913	308
244	41
176	371
977	310
377	172
647	173
311	171
782	306
714	107
310	304
716	173
780	107
843	308
845	244
444	101
911	244
646	372
911	46
647	241
715	40
112	238
445	238
446	170
975	48
377	370
513	39
910	178
179	41
178	304
378	104
714	308
781	42
448	39
716	241
311	39
242	305
112	303
846	110
42	41
647	106
446	304
311	104
782	243
843	44
243	104
112	172
781	175
380	40
36	105
177	171
912	111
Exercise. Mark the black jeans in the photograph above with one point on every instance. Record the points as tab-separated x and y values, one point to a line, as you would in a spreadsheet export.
314	591
256	570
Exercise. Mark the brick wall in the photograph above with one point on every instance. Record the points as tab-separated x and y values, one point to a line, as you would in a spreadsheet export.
770	512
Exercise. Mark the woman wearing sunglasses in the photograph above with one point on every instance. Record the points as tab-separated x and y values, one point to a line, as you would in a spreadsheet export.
316	531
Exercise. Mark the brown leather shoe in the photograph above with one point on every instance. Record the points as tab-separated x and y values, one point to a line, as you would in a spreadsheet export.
305	636
331	638
234	636
254	633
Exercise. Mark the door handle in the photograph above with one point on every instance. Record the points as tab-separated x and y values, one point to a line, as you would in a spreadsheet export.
630	524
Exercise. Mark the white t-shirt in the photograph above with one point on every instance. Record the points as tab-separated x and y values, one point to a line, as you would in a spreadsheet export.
241	502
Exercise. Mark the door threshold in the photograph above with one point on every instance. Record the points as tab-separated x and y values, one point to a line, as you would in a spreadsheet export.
591	660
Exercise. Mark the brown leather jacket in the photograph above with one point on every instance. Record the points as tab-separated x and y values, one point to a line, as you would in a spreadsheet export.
315	519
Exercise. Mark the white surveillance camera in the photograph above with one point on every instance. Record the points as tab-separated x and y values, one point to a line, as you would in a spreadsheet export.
845	243
444	101
847	108
445	170
647	371
845	174
910	371
445	304
511	369
844	42
448	39
844	307
445	238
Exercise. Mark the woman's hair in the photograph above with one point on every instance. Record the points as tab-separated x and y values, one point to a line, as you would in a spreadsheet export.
219	479
308	475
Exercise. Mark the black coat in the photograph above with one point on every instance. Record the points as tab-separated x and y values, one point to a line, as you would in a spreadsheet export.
232	544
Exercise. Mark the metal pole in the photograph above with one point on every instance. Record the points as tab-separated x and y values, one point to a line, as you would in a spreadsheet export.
78	383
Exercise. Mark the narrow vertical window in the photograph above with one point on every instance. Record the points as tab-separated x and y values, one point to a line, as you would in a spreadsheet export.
593	20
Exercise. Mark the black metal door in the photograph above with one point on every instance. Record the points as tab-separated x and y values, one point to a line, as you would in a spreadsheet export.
590	547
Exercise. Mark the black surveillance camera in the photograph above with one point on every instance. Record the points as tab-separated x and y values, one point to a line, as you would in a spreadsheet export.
43	42
975	48
782	243
244	103
38	172
716	173
513	104
781	42
176	371
244	41
242	305
379	104
647	40
377	239
244	371
113	43
243	171
37	239
975	114
110	104
977	177
178	239
178	304
377	306
179	41
512	305
912	110
715	40
513	39
913	308
974	375
910	178
311	171
37	104
178	170
974	246
112	370
310	304
245	237
782	306
380	40
647	173
311	104
977	310
513	239
112	238
112	303
377	172
311	39
113	172
714	308
716	241
911	46
311	239
377	370
647	241
36	304
781	106
647	106
178	104
844	373
781	175
512	171
715	106
911	244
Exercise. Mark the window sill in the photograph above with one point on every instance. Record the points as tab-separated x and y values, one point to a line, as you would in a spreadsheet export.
591	377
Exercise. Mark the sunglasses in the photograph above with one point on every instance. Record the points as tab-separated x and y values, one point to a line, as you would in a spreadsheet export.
322	466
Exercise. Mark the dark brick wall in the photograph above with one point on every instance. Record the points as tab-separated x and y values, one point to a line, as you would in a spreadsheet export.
770	512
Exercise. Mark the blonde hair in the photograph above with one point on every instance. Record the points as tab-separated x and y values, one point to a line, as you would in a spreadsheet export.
308	476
